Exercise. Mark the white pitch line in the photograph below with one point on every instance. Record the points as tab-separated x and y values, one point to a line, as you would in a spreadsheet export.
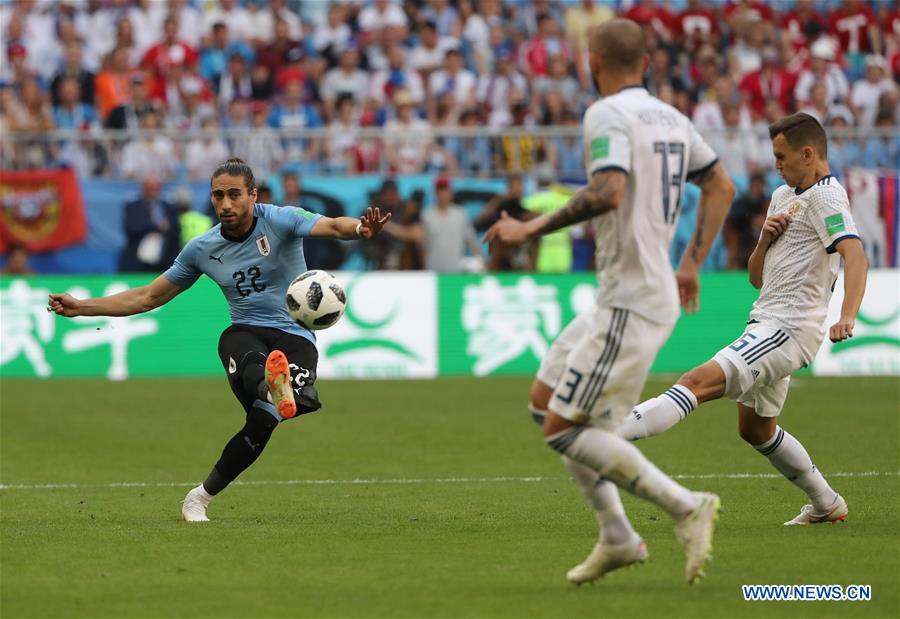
439	480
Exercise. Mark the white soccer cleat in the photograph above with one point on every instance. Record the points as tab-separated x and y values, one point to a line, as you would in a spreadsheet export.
808	515
608	557
695	532
194	507
278	379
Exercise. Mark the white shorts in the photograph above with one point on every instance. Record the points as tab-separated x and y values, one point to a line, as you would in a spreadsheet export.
758	367
599	363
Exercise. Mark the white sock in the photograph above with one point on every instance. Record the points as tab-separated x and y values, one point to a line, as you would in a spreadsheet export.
658	414
623	464
603	497
790	458
202	494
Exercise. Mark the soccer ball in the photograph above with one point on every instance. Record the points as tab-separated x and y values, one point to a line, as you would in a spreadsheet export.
315	300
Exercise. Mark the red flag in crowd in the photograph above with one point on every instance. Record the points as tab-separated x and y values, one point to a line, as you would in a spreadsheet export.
41	210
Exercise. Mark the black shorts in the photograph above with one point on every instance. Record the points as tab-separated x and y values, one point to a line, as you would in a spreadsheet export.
242	344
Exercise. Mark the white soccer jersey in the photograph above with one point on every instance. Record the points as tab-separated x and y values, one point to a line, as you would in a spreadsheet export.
801	266
659	148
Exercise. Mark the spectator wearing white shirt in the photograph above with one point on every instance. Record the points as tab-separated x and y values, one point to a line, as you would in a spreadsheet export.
866	93
237	18
346	78
494	87
408	140
822	69
342	138
152	154
204	153
445	17
264	17
453	78
430	53
147	16
190	21
381	13
333	35
396	77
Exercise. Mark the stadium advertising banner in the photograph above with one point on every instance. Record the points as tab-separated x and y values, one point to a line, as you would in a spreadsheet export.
400	325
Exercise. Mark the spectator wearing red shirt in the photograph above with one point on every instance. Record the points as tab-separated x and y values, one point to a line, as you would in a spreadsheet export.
648	13
696	25
803	25
273	56
169	51
769	82
536	53
855	26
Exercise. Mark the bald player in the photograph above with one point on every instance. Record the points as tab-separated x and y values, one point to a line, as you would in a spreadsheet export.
639	153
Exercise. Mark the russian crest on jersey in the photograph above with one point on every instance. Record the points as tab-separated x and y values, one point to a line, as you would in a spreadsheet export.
316	300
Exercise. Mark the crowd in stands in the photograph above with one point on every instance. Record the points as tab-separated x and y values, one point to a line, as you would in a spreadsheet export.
416	67
413	71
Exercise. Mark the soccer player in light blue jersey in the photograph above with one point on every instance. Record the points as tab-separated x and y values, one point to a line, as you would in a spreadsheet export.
253	255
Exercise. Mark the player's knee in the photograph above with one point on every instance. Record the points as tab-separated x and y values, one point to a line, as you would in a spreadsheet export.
691	380
540	400
756	432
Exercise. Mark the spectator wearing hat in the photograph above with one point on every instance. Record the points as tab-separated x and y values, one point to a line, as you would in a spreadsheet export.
444	232
408	140
396	77
866	93
128	114
843	151
771	81
345	79
822	69
73	68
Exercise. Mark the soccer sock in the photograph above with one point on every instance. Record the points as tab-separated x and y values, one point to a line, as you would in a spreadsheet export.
790	458
242	450
658	414
623	464
603	497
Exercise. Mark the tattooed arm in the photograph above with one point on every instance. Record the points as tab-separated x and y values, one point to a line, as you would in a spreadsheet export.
602	194
717	192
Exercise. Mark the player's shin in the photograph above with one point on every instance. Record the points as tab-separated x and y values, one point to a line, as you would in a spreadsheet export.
603	497
242	450
623	464
788	455
658	414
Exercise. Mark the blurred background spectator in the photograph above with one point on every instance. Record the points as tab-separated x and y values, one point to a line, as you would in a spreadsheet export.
152	230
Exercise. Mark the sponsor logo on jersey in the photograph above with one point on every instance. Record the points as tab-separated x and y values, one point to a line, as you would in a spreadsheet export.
834	223
599	148
262	243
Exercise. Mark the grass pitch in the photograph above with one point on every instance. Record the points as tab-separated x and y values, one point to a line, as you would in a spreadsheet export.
458	508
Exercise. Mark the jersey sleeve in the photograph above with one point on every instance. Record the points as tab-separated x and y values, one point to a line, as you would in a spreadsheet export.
184	271
290	221
830	216
608	140
701	156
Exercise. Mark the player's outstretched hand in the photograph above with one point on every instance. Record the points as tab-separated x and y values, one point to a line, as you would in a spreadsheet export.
63	304
688	290
507	231
841	330
372	222
774	227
